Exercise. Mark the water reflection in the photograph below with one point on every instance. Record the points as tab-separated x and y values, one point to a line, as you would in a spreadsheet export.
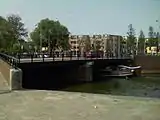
146	86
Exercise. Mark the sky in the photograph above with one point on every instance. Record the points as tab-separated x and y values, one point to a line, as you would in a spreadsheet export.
88	16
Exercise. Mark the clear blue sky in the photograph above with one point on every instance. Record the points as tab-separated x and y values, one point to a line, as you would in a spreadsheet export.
87	16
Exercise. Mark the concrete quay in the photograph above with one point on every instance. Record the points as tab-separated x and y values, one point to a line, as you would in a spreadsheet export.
50	105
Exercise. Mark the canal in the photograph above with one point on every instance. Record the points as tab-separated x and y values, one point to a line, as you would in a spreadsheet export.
146	86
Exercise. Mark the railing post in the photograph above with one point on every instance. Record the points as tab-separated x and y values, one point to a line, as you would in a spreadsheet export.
19	57
10	61
31	57
62	53
13	64
78	55
70	55
91	55
43	56
84	55
53	55
96	54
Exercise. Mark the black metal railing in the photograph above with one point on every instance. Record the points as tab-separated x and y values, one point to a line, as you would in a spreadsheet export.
14	59
42	57
10	60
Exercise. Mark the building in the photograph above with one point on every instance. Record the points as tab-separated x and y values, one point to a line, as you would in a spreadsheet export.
97	39
74	45
124	49
113	45
110	44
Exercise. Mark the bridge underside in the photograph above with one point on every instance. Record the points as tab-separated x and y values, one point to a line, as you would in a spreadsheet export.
61	74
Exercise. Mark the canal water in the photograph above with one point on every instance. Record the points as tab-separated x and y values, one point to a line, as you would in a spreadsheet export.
146	86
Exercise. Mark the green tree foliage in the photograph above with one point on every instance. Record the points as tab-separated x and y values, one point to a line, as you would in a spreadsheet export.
151	40
131	39
6	38
97	44
141	43
51	34
17	26
11	32
157	36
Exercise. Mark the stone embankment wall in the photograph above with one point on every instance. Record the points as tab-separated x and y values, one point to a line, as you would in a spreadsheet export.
11	75
150	64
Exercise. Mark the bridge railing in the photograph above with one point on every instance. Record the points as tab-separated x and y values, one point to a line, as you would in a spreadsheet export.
14	59
43	57
9	59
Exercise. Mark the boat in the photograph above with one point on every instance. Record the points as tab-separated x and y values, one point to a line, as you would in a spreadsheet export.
120	71
136	71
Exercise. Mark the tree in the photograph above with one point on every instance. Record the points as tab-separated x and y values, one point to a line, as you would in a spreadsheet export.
51	34
97	45
131	39
12	31
2	32
141	43
151	39
17	26
6	34
157	36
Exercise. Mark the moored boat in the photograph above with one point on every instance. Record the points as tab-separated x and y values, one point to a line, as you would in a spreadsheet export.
120	71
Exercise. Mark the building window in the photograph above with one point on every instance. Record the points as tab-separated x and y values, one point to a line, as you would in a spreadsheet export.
73	42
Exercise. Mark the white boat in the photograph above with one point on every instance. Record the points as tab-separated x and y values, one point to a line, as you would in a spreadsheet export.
120	71
131	68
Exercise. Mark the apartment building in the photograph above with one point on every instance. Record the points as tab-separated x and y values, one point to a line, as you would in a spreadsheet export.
98	39
124	49
108	43
74	43
113	45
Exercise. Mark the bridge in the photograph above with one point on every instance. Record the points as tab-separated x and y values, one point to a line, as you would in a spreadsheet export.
29	71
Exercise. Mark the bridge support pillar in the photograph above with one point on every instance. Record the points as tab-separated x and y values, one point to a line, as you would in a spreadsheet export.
89	75
85	72
15	79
